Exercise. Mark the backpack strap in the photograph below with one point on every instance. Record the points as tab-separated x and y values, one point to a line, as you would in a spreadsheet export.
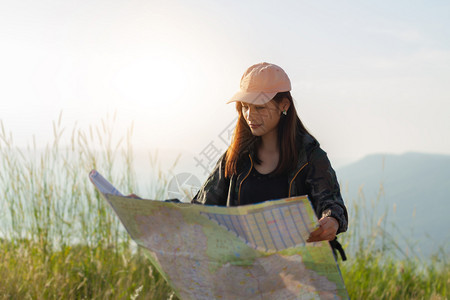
335	245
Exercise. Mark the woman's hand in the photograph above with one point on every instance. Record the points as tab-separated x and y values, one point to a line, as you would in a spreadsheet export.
326	232
134	196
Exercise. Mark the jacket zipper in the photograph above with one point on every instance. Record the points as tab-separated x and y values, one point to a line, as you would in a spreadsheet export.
290	184
240	184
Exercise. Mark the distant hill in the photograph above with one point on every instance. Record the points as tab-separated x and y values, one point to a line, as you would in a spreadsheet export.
415	183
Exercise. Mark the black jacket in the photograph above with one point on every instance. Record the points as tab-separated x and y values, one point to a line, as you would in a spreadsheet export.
312	176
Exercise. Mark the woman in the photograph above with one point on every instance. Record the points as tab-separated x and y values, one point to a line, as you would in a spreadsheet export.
273	156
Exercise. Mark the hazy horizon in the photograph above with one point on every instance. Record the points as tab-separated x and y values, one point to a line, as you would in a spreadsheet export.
366	77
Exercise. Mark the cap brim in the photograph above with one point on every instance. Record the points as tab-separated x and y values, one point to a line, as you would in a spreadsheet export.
256	98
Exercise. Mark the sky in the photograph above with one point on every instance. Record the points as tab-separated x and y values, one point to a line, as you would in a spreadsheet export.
367	77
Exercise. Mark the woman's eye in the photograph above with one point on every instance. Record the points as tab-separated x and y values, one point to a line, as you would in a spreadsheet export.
260	107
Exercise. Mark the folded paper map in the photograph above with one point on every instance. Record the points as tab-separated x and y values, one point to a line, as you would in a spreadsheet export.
254	251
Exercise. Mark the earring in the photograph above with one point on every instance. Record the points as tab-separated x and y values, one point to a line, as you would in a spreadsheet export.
284	112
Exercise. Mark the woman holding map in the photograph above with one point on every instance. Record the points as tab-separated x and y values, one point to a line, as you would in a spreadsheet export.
273	156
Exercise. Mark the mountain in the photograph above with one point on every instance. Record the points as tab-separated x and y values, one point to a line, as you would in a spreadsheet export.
412	184
414	190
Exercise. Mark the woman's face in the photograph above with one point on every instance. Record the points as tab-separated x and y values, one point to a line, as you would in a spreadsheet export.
261	119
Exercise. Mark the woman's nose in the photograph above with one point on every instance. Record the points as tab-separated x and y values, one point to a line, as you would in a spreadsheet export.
247	114
251	114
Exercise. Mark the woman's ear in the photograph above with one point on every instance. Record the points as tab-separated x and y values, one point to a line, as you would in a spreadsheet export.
285	104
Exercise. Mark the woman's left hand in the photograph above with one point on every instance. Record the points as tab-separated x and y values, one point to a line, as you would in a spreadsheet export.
326	232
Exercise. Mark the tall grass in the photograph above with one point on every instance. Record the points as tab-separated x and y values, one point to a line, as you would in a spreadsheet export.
58	237
382	263
60	240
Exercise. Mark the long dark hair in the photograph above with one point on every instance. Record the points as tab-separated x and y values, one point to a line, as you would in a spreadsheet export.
244	142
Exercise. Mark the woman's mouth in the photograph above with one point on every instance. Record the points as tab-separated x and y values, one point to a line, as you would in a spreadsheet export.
253	126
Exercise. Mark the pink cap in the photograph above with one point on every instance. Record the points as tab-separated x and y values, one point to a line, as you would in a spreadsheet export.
260	83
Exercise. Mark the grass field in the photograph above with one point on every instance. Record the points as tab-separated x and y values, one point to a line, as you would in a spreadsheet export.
60	240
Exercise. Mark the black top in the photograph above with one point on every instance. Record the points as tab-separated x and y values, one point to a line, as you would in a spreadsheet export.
262	187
